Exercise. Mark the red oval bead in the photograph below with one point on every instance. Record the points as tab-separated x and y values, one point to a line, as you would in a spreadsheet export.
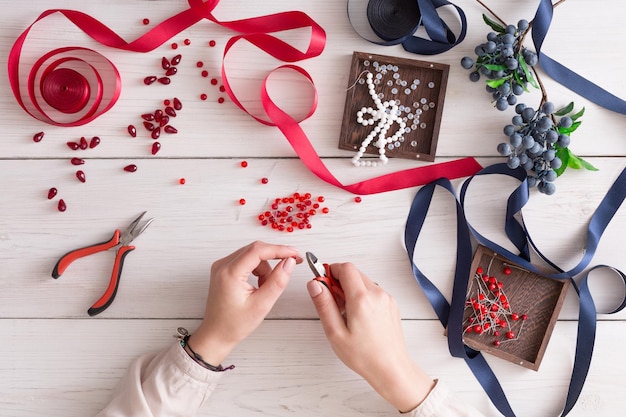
222	88
148	117
187	42
158	114
496	343
205	73
164	120
264	180
164	80
156	133
146	21
199	64
174	45
73	145
77	161
81	176
357	199
170	129
325	210
203	96
95	141
166	102
524	317
178	105
130	168
244	164
176	59
83	144
149	126
510	335
507	271
212	43
149	80
213	81
242	201
220	100
61	206
170	111
171	71
182	181
132	130
156	147
52	192
38	137
165	63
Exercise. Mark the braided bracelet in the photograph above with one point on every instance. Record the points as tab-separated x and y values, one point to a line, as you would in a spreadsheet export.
183	335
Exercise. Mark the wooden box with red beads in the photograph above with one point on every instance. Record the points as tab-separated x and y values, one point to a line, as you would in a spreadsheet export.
510	312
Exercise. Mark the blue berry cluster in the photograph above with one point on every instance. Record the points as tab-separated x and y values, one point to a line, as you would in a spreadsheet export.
535	143
505	62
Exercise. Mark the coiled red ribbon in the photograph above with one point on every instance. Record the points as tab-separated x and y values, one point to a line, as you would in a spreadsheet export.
58	89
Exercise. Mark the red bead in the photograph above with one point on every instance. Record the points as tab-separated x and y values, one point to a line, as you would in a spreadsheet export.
479	270
156	147
38	137
242	201
187	42
496	333
171	71
149	126
170	129
264	180
81	176
77	161
148	117
205	73
357	199
321	199
164	80
514	316
95	141
52	192
73	145
212	43
199	64
164	120
524	317
182	181
158	114
222	88
83	144
166	102
149	80
244	164
213	81
130	168
510	335
325	210
170	111
176	60
174	45
507	271
146	21
165	63
61	206
132	130
220	100
203	96
156	133
496	343
177	104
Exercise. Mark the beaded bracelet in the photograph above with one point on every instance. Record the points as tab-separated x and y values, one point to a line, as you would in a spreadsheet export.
183	335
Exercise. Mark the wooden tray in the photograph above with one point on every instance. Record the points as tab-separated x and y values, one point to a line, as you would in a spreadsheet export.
539	297
422	94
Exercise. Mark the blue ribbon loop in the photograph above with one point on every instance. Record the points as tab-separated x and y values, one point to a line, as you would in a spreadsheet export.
451	314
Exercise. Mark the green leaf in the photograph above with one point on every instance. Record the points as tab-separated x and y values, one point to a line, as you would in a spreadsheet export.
496	83
493	67
574	161
588	166
495	26
564	110
527	73
563	155
520	82
572	128
578	115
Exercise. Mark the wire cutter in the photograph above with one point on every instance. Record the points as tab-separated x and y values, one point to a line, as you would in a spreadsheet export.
120	241
323	275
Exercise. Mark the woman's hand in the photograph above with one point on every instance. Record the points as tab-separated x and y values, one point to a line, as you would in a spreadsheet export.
368	337
235	308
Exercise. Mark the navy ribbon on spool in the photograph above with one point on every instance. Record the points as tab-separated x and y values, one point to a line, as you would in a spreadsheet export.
451	314
393	22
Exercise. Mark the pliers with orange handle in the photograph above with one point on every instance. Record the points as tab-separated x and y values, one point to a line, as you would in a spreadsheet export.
323	275
120	241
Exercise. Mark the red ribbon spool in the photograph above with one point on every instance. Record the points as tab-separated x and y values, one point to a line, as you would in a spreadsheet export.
65	90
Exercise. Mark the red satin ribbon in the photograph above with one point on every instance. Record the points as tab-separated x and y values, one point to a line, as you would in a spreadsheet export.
70	95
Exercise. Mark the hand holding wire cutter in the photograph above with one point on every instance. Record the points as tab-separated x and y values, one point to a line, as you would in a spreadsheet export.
120	241
323	275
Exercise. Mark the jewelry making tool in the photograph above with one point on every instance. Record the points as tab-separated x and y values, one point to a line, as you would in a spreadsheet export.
120	242
323	275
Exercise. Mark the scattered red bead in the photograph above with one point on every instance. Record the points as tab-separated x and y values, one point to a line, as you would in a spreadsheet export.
149	80
61	206
132	130
164	80
325	210
156	147
170	129
242	201
222	89
146	21
156	133
289	213
83	144
264	180
212	43
182	181
244	164
81	176
38	137
220	100
166	102
171	71
187	42
205	73
148	117
149	126
199	64
213	81
174	45
203	96
73	146
95	141
77	161
177	104
52	192
170	111
130	168
176	60
165	63
357	199
164	120
507	271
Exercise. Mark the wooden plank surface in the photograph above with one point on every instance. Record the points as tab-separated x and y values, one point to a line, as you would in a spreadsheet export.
54	360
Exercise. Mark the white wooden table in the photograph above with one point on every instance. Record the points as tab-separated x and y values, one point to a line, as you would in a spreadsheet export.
55	360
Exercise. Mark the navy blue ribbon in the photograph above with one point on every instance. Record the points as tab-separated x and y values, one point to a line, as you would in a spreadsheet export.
562	74
451	314
442	38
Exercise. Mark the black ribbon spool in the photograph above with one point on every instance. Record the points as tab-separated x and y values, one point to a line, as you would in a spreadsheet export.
393	19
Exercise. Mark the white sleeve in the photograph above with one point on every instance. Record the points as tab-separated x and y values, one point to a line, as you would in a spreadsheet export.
167	384
440	403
